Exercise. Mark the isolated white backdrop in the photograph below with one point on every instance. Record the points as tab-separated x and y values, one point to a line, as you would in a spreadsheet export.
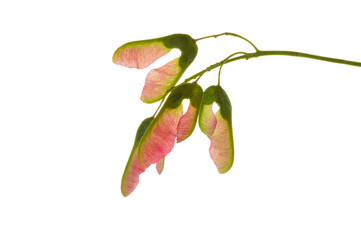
69	115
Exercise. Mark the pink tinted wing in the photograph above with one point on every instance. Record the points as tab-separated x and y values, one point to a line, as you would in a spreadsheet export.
139	54
221	149
207	120
131	175
160	166
160	80
159	139
186	123
219	132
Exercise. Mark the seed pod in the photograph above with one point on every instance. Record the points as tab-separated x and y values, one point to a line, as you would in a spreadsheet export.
218	127
140	54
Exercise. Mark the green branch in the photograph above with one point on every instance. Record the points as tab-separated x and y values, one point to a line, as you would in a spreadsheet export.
275	53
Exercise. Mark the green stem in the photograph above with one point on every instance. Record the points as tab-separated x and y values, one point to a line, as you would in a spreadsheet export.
276	53
222	63
229	34
156	111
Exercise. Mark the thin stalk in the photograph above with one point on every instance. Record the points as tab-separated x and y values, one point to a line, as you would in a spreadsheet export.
199	77
156	111
222	63
229	34
276	53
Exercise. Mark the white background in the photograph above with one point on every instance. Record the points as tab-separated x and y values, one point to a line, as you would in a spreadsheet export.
69	116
